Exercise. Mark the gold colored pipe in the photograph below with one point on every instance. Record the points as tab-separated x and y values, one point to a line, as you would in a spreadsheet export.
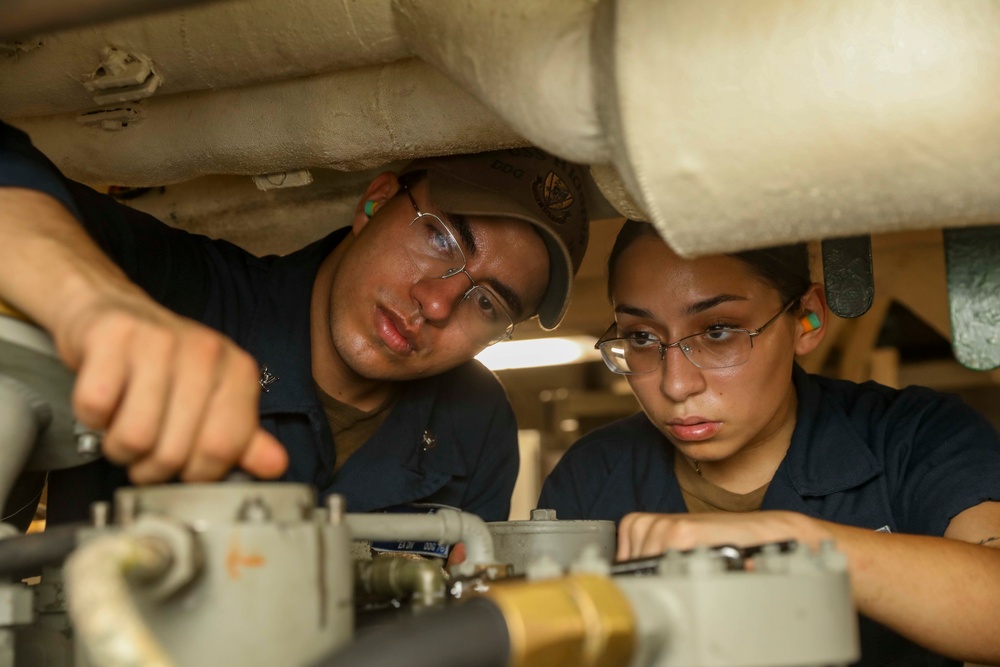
10	311
581	620
393	576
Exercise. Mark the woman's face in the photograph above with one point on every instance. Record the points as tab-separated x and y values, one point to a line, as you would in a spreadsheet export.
709	414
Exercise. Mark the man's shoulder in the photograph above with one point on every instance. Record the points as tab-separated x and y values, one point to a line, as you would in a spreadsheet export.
633	437
471	376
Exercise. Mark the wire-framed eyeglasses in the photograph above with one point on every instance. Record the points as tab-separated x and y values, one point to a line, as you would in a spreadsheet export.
434	248
642	352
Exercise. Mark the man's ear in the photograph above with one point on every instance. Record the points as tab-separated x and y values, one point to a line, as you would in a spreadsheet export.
378	192
811	326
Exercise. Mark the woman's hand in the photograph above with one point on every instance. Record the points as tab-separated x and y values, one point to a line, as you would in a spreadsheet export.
644	534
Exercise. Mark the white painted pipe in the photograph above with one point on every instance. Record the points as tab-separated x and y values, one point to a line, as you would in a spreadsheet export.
728	124
218	45
352	120
444	526
743	124
528	61
19	20
105	619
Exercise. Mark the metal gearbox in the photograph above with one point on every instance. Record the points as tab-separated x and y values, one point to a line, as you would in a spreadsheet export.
523	542
238	574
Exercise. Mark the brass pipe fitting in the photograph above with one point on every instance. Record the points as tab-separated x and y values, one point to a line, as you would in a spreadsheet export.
9	311
397	577
581	620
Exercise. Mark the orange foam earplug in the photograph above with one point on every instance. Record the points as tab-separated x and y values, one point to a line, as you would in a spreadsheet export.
811	322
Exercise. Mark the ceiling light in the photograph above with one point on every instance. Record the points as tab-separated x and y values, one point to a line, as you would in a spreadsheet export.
535	352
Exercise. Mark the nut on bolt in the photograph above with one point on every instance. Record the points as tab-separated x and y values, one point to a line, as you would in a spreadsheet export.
186	557
336	505
88	442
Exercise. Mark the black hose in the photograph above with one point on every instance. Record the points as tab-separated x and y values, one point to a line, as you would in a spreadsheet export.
470	634
25	555
22	501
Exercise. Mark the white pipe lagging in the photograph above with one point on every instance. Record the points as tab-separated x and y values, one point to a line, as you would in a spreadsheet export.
105	620
728	124
731	124
356	119
265	40
446	526
20	20
530	62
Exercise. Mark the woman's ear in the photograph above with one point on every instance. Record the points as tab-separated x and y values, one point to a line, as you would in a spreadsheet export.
811	327
379	191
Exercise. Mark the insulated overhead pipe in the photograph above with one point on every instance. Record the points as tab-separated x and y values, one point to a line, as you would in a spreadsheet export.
24	18
351	120
730	125
530	62
265	40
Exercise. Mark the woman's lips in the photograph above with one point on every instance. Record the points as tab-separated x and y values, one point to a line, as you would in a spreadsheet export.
693	430
390	334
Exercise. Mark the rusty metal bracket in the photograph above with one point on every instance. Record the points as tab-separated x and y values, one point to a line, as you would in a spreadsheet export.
972	260
848	275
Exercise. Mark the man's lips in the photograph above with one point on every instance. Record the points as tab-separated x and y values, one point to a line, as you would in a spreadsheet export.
693	429
393	332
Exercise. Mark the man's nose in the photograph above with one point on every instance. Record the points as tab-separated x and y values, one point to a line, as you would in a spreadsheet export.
439	298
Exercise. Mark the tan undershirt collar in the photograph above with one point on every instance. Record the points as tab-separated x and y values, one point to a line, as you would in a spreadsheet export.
700	495
350	426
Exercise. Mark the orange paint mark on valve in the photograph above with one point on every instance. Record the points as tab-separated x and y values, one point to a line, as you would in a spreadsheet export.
236	559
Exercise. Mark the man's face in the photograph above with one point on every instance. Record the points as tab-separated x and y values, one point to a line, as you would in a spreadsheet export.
394	318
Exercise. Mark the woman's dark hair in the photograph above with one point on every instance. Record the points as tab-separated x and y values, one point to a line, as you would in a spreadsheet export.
785	268
411	178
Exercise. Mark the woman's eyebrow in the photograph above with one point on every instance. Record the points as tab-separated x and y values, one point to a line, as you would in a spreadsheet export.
694	309
707	304
634	311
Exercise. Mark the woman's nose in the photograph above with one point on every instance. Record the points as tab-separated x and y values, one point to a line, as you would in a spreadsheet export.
679	377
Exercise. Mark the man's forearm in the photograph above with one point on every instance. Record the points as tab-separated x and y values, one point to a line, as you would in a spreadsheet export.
49	266
172	395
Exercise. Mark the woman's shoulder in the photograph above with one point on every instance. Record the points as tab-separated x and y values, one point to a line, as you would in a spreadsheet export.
874	405
871	395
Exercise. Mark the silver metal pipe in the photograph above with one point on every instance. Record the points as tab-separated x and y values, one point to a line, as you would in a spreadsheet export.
445	527
18	430
422	580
